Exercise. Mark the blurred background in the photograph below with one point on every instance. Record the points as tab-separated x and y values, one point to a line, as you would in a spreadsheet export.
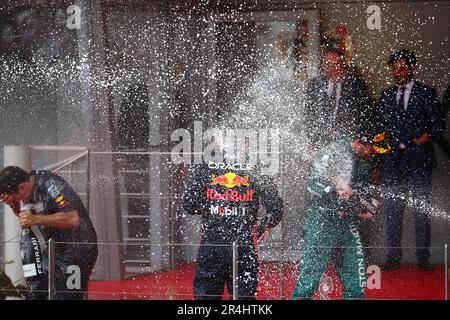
117	77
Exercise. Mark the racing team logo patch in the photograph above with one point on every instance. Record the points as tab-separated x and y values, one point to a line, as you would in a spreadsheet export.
61	202
230	180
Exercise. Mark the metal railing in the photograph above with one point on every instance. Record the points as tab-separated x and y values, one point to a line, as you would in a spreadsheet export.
66	165
275	278
446	270
235	247
84	155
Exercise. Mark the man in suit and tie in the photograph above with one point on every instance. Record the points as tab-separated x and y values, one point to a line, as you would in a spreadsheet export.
338	104
412	116
336	101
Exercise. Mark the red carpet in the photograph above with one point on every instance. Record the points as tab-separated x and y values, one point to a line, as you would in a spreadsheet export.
274	279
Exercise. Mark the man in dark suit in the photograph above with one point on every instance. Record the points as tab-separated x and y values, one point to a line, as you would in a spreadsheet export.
336	101
412	116
338	104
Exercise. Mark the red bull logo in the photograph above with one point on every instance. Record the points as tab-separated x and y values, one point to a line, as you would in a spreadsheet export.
230	195
229	180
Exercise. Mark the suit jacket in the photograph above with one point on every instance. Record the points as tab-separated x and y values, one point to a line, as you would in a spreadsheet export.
446	101
423	115
353	115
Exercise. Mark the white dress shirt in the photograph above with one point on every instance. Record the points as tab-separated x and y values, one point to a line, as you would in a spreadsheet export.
408	88
337	96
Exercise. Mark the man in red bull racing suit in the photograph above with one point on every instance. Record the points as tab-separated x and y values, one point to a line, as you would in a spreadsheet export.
228	197
55	212
342	195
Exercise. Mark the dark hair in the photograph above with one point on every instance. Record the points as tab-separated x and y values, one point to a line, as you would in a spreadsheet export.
10	178
407	55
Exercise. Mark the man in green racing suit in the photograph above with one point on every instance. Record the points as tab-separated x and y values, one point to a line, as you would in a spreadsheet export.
341	195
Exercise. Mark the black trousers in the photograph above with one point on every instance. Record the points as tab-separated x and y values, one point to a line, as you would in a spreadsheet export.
408	190
214	270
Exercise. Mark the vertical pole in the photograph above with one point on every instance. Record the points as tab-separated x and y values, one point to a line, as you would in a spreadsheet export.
14	156
51	269
235	271
446	271
88	179
71	174
282	272
283	225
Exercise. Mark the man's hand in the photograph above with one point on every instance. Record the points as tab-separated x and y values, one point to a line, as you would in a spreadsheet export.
375	177
27	219
7	198
367	216
344	192
181	173
11	201
422	139
342	214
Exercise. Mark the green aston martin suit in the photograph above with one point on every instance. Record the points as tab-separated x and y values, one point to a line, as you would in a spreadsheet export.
323	229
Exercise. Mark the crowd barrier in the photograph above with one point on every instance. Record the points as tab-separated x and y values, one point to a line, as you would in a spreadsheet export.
276	278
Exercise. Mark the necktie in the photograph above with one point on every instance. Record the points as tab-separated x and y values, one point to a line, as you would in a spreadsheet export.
332	96
401	104
401	100
332	99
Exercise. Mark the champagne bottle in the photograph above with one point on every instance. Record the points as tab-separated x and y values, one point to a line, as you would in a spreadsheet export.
32	249
364	203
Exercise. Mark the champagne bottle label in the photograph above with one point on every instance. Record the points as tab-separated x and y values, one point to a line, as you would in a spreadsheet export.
32	258
32	247
367	204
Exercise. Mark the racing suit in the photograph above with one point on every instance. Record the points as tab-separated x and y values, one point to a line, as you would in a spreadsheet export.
74	261
228	197
324	229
